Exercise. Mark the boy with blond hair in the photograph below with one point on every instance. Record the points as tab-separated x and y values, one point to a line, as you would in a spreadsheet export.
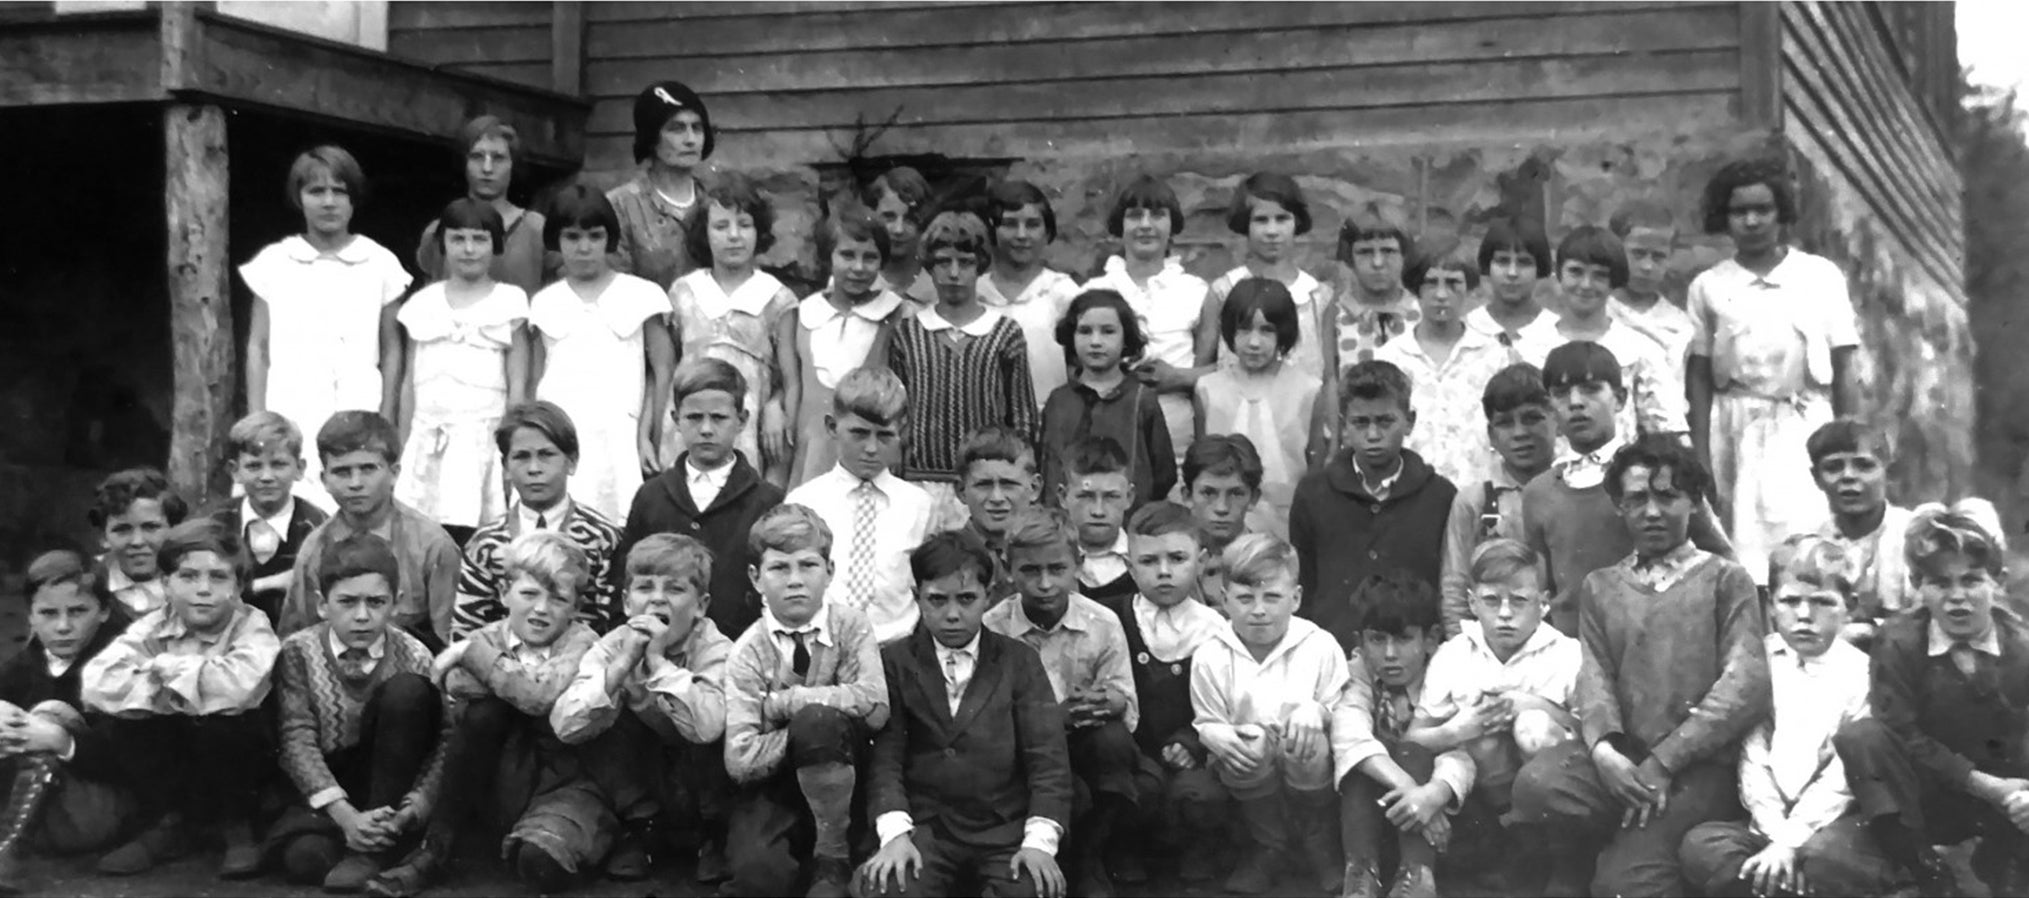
805	691
267	461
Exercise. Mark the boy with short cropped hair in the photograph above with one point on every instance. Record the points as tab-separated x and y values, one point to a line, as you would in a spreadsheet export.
1648	231
1522	427
1375	507
187	681
1263	692
970	779
360	455
1222	484
1097	492
1849	462
1661	719
1165	621
504	762
1084	652
273	523
63	792
133	510
1568	517
804	692
363	730
998	479
879	518
713	493
1942	758
657	681
1800	837
1384	778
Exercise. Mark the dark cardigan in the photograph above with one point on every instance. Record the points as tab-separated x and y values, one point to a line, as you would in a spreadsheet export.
25	681
664	505
1342	536
1131	416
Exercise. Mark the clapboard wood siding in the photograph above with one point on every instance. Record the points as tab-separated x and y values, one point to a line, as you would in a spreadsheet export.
1040	79
1850	101
510	41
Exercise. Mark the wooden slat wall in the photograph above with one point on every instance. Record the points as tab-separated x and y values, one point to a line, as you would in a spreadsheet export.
1846	96
510	41
787	82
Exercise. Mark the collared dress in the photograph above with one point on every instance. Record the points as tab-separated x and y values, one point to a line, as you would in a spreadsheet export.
1312	297
1450	431
323	333
831	343
736	328
450	466
1036	310
1169	305
596	369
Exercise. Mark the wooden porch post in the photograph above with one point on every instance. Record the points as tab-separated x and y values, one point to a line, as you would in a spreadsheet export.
200	298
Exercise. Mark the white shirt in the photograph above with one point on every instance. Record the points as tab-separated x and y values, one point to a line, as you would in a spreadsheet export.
1791	780
374	652
1036	309
1876	562
552	519
526	653
1583	471
815	633
1305	673
1102	566
840	341
1173	633
1530	343
901	522
280	521
140	598
705	486
958	665
1941	644
1772	335
1546	666
934	321
57	666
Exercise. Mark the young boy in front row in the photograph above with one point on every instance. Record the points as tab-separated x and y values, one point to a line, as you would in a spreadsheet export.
1384	779
363	731
1263	692
1800	837
1501	689
1522	426
187	681
1084	653
804	692
1946	754
970	779
997	480
505	769
1675	673
1165	622
63	793
657	682
267	459
360	455
1849	462
1374	507
133	510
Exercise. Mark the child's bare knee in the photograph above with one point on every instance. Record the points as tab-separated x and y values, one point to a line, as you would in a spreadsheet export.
1536	731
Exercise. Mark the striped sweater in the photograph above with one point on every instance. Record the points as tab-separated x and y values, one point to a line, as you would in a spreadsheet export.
322	708
482	574
957	389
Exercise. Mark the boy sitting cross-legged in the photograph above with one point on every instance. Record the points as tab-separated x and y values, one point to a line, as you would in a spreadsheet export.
1263	691
970	778
187	681
1675	673
1165	621
1393	792
63	794
804	691
1084	653
657	682
363	730
1802	835
1501	689
505	767
1945	755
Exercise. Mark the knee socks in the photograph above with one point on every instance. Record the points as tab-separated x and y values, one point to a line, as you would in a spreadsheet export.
828	790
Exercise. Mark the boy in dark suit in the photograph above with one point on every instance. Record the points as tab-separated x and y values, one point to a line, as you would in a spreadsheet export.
971	778
267	460
712	493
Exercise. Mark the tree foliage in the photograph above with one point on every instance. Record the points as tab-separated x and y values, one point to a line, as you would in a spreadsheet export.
1995	167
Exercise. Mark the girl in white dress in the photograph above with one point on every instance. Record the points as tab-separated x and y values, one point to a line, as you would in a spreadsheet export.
467	361
1264	396
727	310
605	353
1177	312
323	313
1270	211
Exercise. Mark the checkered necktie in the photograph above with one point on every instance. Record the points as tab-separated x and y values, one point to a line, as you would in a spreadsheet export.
859	568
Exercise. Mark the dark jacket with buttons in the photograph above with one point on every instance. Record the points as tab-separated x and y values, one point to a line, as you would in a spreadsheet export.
1343	536
664	505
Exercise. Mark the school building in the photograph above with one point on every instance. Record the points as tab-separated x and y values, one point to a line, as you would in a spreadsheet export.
1446	115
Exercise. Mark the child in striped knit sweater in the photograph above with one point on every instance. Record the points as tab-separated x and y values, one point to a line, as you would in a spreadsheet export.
363	733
